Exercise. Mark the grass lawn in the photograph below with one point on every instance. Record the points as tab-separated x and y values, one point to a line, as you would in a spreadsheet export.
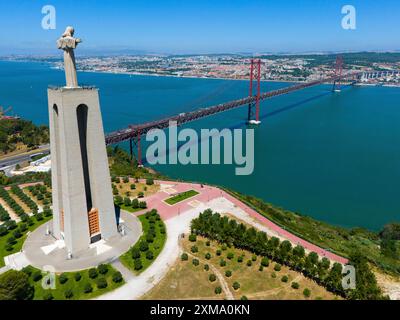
186	281
130	209
19	242
181	196
77	287
155	247
123	188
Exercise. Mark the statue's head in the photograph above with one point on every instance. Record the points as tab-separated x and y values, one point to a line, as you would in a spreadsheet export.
69	32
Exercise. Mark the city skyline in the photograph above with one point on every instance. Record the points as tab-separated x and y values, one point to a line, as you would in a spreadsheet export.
176	27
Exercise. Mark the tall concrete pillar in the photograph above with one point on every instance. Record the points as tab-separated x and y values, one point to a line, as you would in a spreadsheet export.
82	195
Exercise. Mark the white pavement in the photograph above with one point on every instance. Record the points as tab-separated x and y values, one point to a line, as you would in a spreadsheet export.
137	286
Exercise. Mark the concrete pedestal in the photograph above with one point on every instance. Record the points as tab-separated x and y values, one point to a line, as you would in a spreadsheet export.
82	197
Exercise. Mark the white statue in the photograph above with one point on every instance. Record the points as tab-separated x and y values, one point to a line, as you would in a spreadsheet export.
68	43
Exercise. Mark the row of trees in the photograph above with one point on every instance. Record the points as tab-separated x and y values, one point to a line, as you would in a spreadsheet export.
24	198
127	202
4	216
11	202
41	193
228	231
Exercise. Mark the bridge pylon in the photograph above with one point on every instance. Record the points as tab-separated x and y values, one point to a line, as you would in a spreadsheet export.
338	73
253	116
137	142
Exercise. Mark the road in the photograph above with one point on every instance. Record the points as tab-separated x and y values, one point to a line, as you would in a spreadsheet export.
26	156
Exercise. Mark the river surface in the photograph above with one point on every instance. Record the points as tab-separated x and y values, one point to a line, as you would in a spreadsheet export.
333	156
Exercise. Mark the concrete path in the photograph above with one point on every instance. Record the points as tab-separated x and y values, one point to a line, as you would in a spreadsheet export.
139	285
177	219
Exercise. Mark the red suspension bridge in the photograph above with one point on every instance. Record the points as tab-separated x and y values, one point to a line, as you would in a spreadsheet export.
134	132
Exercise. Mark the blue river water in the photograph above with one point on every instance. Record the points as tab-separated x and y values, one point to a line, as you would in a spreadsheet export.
332	156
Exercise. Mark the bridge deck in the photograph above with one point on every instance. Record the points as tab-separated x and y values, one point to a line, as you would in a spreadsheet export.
132	132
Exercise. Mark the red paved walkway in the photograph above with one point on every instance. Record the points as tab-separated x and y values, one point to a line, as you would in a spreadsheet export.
208	193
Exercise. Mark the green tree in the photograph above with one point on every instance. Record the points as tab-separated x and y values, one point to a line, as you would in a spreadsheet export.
14	285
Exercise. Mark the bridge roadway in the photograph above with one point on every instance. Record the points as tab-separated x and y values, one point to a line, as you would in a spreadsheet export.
134	131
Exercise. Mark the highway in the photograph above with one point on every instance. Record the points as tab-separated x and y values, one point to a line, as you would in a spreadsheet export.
19	158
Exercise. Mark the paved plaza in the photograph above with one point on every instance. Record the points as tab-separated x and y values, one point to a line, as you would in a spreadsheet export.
42	251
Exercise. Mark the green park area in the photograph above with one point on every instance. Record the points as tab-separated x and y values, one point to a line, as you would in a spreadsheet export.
181	197
32	283
149	245
13	235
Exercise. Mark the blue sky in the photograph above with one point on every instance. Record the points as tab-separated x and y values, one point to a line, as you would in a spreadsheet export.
172	26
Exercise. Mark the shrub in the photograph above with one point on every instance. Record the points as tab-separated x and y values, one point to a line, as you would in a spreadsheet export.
11	240
192	237
48	296
101	283
218	252
39	217
208	243
140	194
77	276
236	285
240	259
37	275
277	267
184	257
218	290
138	264
307	292
133	186
23	227
243	298
102	268
230	255
87	288
224	247
273	275
9	247
285	279
207	256
261	268
194	249
125	179
228	273
254	257
68	294
127	202
222	263
195	262
3	231
150	238
143	246
63	278
295	285
27	271
135	253
212	277
149	182
117	277
265	262
249	263
149	255
206	267
93	273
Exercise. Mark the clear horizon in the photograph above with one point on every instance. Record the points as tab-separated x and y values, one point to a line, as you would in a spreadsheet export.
206	27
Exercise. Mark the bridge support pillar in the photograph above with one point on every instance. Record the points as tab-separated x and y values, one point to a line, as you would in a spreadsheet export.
253	116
